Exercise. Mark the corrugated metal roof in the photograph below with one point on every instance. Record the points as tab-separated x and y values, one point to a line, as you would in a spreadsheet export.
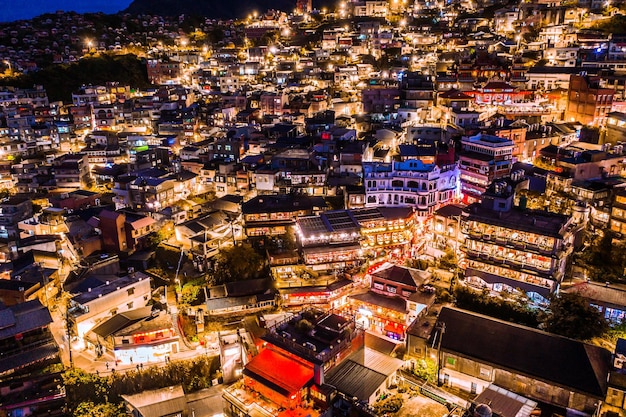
355	380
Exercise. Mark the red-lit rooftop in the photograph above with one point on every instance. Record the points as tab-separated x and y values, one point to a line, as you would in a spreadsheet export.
279	369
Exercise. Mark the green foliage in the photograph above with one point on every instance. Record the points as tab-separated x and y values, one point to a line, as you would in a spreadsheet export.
80	385
335	202
483	303
605	258
167	257
238	263
426	369
189	294
155	238
570	315
448	260
391	404
616	331
89	409
287	241
616	25
422	264
61	80
442	295
193	375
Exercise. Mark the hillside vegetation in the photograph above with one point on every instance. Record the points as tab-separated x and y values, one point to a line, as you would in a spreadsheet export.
61	80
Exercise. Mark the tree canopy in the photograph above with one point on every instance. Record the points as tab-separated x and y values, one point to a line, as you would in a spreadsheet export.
89	409
570	315
604	258
238	263
61	80
615	25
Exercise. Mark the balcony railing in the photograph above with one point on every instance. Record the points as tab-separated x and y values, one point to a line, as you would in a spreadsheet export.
514	243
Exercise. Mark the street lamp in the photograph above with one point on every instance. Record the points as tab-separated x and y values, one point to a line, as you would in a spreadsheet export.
10	67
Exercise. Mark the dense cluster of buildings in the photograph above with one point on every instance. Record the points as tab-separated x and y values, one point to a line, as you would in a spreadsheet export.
342	145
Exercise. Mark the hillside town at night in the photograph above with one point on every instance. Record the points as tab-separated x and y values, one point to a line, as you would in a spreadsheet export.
401	208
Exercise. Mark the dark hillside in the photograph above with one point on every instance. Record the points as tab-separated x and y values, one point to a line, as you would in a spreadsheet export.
217	9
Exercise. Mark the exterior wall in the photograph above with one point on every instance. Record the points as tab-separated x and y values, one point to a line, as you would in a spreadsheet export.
476	173
586	104
379	99
412	183
501	251
113	303
11	213
114	234
616	398
473	376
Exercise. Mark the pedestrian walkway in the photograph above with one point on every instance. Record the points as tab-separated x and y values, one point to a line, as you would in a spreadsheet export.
106	364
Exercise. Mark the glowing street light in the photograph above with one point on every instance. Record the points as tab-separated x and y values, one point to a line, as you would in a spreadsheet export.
10	67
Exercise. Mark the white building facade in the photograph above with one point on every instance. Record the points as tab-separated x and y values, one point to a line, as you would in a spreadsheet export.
412	183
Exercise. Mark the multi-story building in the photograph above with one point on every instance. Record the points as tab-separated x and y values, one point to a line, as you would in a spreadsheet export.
397	296
13	211
516	133
370	8
106	116
587	101
445	230
293	170
122	232
474	351
417	91
160	72
290	370
505	20
273	214
99	299
391	230
618	213
304	6
514	249
411	183
72	171
136	336
330	241
338	239
151	193
380	99
332	296
92	95
483	158
29	351
272	103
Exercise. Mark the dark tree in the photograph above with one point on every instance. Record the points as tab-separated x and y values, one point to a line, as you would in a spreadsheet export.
570	315
604	258
238	263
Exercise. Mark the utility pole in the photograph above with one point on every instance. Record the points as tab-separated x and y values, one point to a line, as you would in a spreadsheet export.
69	335
176	280
441	329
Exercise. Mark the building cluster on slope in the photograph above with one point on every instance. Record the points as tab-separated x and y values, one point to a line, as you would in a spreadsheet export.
339	146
